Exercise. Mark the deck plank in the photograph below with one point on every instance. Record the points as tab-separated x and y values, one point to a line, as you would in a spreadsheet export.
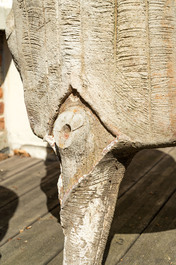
36	245
28	208
57	260
158	244
138	206
149	182
14	165
143	162
25	181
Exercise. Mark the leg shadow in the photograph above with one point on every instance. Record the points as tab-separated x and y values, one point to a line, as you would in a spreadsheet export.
138	197
7	210
49	184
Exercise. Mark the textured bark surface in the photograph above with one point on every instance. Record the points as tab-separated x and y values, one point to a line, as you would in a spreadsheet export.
119	55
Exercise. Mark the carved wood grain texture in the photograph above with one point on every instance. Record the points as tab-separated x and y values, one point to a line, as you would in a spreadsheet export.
119	55
91	205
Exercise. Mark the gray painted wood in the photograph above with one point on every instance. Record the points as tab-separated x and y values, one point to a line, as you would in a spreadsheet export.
36	245
123	239
157	245
14	165
136	209
57	260
29	207
26	180
142	162
141	201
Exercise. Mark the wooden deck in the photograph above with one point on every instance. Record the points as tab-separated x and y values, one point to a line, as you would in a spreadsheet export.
144	225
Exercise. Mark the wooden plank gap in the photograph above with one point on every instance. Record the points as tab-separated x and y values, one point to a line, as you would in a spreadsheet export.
58	256
142	175
29	224
149	223
16	171
29	190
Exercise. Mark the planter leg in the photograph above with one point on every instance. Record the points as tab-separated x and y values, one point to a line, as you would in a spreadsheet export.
88	184
87	214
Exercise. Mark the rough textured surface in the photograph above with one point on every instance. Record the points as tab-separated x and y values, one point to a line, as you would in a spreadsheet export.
81	141
92	205
88	184
119	55
99	82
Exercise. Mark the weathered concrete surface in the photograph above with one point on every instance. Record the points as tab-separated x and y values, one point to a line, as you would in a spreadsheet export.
88	184
119	56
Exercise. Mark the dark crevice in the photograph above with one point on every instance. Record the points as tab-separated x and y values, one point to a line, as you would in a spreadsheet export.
76	93
53	119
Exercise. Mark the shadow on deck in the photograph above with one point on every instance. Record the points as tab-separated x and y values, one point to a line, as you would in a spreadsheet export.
144	225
